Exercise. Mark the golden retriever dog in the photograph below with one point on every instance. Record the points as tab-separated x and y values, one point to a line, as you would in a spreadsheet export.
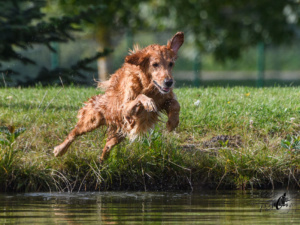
134	97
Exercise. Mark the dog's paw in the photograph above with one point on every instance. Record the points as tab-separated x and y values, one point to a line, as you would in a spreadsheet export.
101	160
171	125
58	151
149	105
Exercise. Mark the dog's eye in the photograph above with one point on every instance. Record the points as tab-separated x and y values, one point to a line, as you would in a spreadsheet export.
171	64
155	65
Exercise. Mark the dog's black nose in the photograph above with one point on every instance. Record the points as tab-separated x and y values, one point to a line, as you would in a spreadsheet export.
168	83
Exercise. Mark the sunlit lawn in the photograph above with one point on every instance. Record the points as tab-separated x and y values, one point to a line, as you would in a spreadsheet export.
227	137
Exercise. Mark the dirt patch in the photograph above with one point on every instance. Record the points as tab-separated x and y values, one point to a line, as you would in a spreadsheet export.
190	147
215	142
222	141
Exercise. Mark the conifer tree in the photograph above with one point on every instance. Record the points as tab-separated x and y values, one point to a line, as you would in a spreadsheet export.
22	25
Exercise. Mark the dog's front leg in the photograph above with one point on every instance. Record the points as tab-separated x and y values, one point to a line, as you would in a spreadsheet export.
133	107
172	108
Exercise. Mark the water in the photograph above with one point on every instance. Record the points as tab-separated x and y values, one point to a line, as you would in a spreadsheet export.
224	207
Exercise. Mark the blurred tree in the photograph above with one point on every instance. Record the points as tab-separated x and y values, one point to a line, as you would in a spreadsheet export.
22	25
222	27
117	16
227	27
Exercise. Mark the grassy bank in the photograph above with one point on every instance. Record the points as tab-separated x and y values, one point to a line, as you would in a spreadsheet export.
227	138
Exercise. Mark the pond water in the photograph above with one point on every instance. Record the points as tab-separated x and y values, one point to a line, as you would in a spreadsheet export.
222	207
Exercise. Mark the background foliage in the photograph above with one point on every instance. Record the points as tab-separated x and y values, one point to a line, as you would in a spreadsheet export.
224	29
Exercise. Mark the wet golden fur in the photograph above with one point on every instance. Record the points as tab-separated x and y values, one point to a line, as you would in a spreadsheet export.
134	96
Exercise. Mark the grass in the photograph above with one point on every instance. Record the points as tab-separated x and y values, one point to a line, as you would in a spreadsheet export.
231	138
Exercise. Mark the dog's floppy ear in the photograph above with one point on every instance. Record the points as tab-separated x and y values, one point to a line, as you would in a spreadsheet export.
176	42
137	58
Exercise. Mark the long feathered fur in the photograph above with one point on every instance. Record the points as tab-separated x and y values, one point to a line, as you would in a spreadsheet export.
133	98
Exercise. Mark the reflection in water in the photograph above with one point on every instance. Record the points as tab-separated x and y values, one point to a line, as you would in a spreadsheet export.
233	207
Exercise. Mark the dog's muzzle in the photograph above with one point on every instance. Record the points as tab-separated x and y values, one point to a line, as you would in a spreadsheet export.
167	85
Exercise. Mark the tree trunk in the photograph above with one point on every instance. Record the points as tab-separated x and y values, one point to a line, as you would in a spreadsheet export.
103	63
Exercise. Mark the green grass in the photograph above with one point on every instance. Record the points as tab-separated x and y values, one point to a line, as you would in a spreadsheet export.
190	157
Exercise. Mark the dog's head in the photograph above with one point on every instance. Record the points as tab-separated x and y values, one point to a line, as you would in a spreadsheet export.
157	62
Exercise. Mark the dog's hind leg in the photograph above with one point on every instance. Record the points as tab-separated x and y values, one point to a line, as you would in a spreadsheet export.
89	119
110	143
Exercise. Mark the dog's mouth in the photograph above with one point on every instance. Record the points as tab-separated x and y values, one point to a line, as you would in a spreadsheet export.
163	90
